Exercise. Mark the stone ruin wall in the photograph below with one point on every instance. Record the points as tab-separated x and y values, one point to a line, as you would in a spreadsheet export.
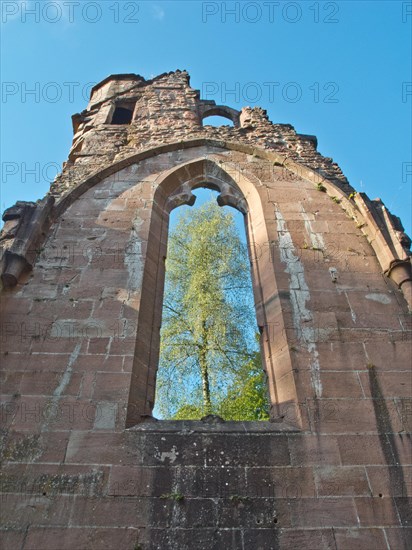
83	463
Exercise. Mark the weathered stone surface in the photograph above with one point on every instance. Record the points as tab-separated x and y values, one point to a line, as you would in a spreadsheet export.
84	464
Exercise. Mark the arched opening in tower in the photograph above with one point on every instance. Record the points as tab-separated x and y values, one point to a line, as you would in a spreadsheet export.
217	120
122	115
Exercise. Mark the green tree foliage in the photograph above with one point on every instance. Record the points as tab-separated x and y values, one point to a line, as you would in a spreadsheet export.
247	398
208	326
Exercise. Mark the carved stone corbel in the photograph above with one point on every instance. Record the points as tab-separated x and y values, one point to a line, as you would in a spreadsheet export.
23	232
388	239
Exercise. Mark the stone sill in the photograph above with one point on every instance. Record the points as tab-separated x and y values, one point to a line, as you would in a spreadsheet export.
213	426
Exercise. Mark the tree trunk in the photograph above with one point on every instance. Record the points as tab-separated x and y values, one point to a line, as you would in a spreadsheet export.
204	371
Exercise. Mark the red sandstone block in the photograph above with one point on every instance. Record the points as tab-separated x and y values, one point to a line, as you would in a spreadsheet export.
286	388
194	538
25	328
342	355
401	446
399	537
87	388
111	512
377	511
118	224
340	384
117	204
45	383
53	480
293	206
323	512
344	226
73	413
362	265
9	407
293	198
88	223
55	344
284	362
372	321
29	413
10	382
85	205
138	388
90	363
16	337
365	449
111	387
319	279
389	356
52	446
353	415
13	305
10	540
74	309
69	256
132	306
262	513
329	300
361	539
34	362
113	216
81	289
307	450
388	384
41	362
136	203
88	447
22	510
390	481
108	309
46	311
127	364
348	244
123	346
375	282
140	481
32	413
106	277
37	289
369	303
98	345
280	482
13	361
67	276
341	481
307	539
110	259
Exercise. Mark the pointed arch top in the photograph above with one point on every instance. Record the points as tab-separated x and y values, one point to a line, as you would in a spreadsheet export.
238	189
175	186
65	200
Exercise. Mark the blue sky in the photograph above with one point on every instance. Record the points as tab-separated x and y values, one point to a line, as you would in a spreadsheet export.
339	70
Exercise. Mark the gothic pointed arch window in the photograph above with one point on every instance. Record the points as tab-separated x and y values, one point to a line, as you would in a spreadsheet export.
209	354
173	189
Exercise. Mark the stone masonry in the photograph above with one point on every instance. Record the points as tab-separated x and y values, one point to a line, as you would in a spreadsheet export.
84	463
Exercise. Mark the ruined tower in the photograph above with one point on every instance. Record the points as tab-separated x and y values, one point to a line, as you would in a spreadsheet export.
85	466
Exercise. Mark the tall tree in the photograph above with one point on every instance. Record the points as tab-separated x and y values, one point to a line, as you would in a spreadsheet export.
208	323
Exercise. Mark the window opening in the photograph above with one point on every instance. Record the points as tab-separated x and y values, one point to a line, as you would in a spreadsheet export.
217	120
209	352
122	114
